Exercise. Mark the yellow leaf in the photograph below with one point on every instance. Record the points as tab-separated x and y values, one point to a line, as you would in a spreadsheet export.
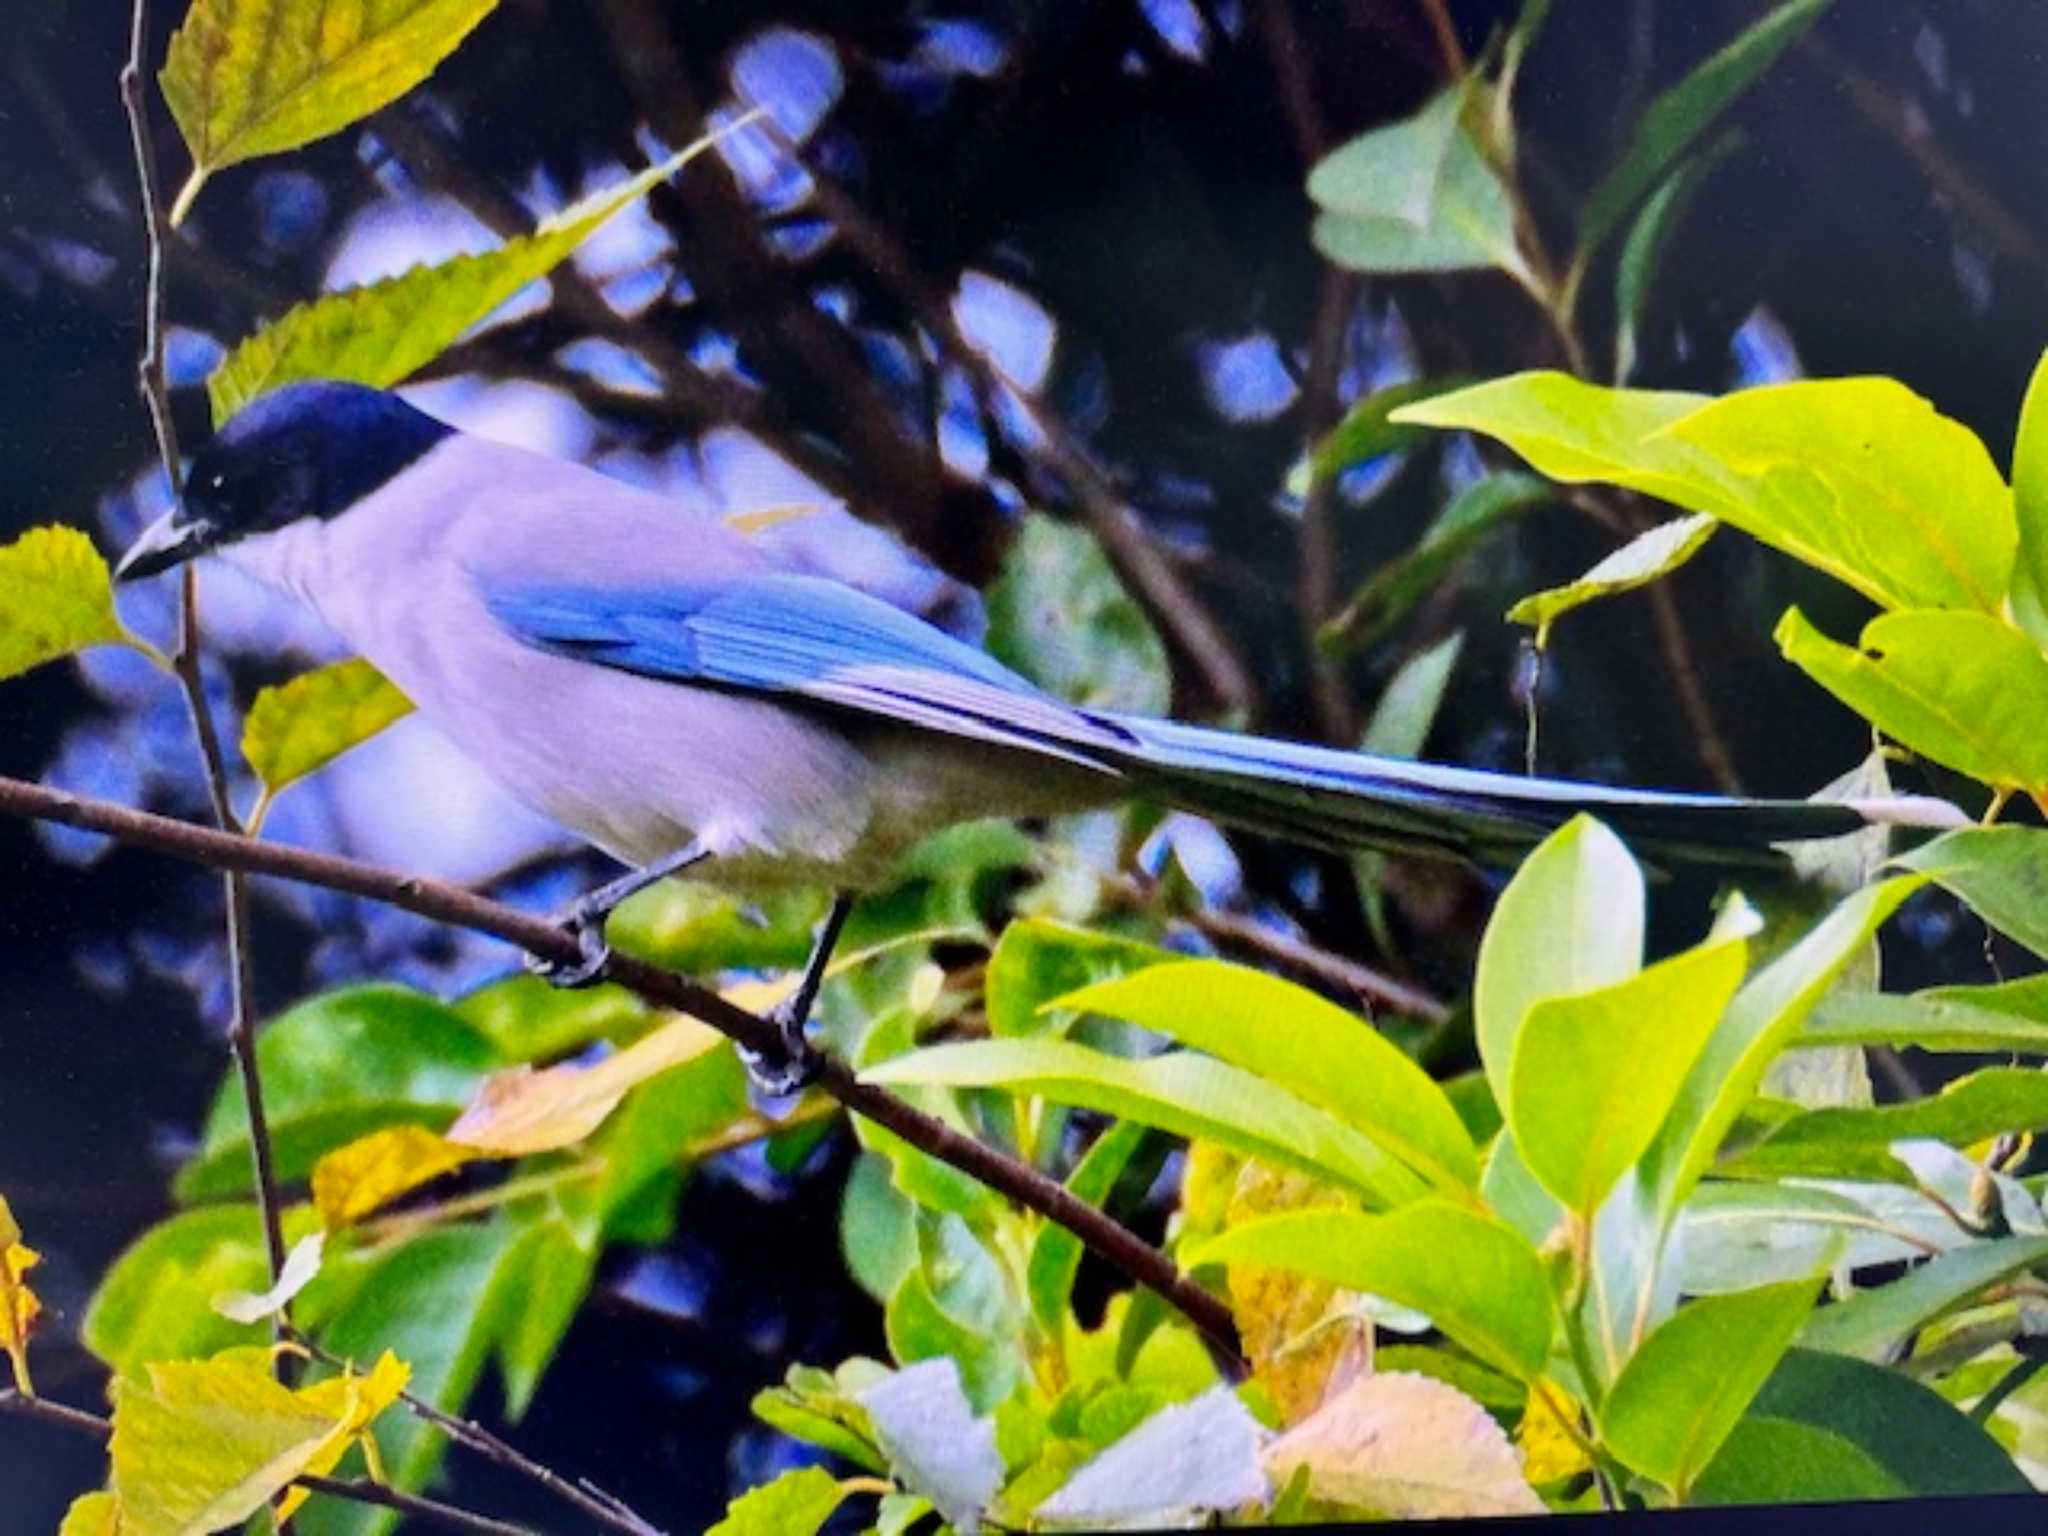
305	724
55	598
373	1170
1650	555
19	1307
523	1111
381	333
256	77
1549	1451
209	1442
1408	1447
92	1514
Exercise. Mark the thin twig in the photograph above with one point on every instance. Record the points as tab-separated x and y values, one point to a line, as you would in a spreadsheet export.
440	902
185	655
1445	31
2024	1370
359	1490
602	1507
1317	547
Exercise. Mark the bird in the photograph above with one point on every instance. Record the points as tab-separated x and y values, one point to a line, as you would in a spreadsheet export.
685	697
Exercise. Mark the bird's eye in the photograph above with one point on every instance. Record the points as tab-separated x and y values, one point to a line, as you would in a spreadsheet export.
217	481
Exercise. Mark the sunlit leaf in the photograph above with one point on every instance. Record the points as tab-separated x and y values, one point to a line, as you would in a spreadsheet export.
1183	1464
56	597
1477	1279
1871	1323
1678	116
1550	1451
1038	960
1649	556
1964	689
1570	921
92	1514
382	333
1365	433
798	1503
19	1307
1406	1447
1857	1143
1299	1041
1594	1073
300	1266
821	1410
1683	1391
352	1181
303	725
1056	1252
256	77
2030	508
935	1443
523	1111
1416	196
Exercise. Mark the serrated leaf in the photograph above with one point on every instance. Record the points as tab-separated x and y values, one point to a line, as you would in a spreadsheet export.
382	333
1964	689
245	78
1678	116
300	1266
19	1307
1406	1447
522	1111
56	598
301	726
352	1181
1649	556
797	1503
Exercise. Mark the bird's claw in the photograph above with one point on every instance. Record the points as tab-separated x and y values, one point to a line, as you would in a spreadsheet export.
793	1066
593	953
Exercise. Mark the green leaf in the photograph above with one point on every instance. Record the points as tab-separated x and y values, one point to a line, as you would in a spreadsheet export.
1056	1252
1910	1435
1672	122
527	1020
56	598
1782	1461
2030	508
1060	615
1649	556
1642	253
1860	478
1416	196
1183	1093
1873	1322
877	1234
303	725
1682	1392
817	1409
1396	587
542	1281
2000	871
1964	689
1365	434
382	333
991	1366
1478	1280
1856	1143
1570	921
1590	1084
256	77
336	1068
1408	706
2010	1018
797	1503
1289	1037
1037	961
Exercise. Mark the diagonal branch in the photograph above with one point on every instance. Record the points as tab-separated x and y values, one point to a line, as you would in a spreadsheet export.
441	902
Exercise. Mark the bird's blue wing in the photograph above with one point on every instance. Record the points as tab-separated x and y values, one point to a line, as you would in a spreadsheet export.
807	637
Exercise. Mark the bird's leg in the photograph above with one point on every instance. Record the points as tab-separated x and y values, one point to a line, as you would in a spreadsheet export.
585	917
798	1063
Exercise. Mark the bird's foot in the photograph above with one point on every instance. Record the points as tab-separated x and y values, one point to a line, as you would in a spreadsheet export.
793	1066
585	924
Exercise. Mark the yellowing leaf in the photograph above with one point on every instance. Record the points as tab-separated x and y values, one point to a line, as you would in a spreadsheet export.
19	1307
256	77
373	1170
300	1266
1550	1453
92	1514
210	1442
55	598
383	332
1965	689
1408	1447
305	724
1653	553
521	1111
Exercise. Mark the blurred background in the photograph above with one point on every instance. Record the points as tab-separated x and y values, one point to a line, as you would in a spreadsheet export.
1046	257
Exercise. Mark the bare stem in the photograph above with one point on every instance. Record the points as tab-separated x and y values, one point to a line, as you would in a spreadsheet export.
1107	1238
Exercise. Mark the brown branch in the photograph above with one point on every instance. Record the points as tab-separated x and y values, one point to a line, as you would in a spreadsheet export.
185	655
1022	1183
1317	547
359	1490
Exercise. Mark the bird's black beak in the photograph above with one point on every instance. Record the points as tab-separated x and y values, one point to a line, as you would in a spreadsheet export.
171	540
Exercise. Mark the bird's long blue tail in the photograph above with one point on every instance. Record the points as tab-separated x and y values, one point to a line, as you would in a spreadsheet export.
1350	800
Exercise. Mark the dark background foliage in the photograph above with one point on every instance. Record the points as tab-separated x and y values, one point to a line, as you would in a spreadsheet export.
1136	168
